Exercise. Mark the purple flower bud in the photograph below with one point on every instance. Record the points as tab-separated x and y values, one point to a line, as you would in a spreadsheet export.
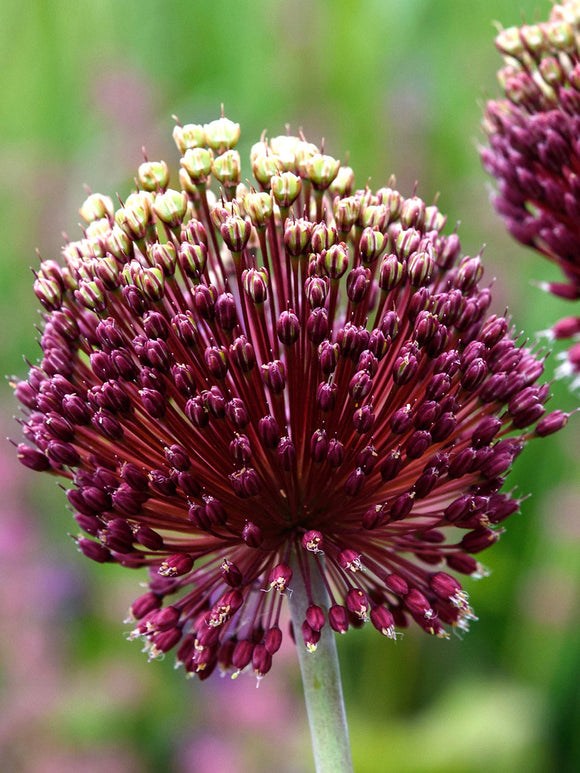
176	565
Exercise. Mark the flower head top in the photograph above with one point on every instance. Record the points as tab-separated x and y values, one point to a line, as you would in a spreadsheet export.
296	373
534	148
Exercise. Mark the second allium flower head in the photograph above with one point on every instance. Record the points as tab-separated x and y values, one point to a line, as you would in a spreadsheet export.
303	374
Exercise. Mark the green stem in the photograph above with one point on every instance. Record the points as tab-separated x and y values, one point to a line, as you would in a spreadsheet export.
320	674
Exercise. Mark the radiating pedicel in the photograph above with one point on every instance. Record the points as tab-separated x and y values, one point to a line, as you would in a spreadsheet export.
292	373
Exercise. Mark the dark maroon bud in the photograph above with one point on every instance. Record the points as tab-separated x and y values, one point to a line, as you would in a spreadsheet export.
117	536
350	560
102	365
184	379
425	483
462	463
401	420
335	454
318	446
402	506
153	402
443	427
226	606
268	431
317	325
124	364
460	508
493	330
274	376
288	328
328	357
280	577
134	476
144	605
134	300
33	459
242	353
383	621
192	259
352	340
354	482
240	450
63	453
397	585
273	640
176	565
312	540
215	359
373	517
242	654
188	484
316	290
315	617
286	453
367	362
391	272
185	329
391	465
479	539
551	423
311	636
162	483
338	618
360	385
165	640
357	603
165	619
26	394
426	414
363	419
438	386
245	483
500	507
205	297
357	284
230	573
417	604
96	499
149	538
366	459
326	396
237	413
94	550
215	402
485	431
225	311
474	375
154	325
126	501
404	369
261	660
496	464
197	412
465	564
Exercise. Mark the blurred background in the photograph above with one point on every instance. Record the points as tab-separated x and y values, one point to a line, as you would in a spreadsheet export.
398	86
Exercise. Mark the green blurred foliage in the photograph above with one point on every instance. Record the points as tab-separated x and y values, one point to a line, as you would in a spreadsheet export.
399	87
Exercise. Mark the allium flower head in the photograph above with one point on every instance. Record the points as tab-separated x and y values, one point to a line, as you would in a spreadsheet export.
295	374
534	135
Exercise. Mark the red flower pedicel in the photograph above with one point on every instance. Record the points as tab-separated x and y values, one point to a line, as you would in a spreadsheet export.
296	376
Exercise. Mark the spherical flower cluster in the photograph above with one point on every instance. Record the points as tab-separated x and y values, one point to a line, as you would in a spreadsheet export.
297	375
534	153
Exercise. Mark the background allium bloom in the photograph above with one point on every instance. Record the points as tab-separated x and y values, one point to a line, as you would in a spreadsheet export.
301	375
534	135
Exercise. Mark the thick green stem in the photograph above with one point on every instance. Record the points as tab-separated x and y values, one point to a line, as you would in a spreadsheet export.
320	675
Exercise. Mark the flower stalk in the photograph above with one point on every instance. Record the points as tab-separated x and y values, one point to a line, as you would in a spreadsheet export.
320	670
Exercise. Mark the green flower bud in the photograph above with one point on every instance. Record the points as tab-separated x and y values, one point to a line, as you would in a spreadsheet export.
434	220
170	207
119	244
264	167
374	217
164	256
259	207
371	245
321	170
189	136
285	188
509	42
343	183
197	162
256	284
135	216
284	147
227	168
97	233
335	260
153	176
222	134
304	152
95	207
392	200
346	212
